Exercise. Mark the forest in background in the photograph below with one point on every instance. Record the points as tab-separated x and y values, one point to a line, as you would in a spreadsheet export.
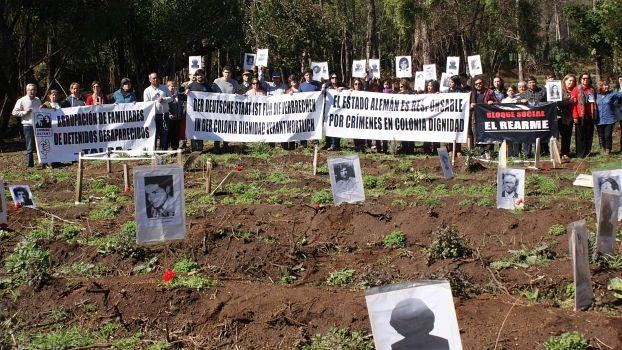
55	43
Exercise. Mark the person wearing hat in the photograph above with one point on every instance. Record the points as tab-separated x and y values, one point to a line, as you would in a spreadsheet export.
125	94
274	87
245	85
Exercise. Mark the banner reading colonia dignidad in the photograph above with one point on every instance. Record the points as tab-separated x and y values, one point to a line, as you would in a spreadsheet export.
376	116
63	133
239	118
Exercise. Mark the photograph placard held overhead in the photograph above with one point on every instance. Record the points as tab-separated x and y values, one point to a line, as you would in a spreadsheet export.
22	196
429	70
346	179
510	188
194	63
374	68
554	91
320	70
413	315
453	65
358	69
261	59
3	217
444	84
606	180
159	199
249	61
403	67
475	65
419	81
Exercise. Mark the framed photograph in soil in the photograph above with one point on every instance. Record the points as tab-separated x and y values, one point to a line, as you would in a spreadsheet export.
443	156
510	188
3	219
159	199
22	196
413	315
346	180
606	180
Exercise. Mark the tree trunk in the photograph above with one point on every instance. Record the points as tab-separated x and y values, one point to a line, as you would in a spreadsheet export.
372	33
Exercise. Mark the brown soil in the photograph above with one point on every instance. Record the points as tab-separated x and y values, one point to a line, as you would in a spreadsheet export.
250	310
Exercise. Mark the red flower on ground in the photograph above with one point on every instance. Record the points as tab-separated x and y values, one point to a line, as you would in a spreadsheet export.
17	205
168	275
519	201
317	206
238	168
547	168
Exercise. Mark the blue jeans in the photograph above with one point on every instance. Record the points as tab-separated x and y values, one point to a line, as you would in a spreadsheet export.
29	136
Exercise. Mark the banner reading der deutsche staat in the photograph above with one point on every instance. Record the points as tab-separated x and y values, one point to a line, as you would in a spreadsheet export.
239	118
62	134
377	116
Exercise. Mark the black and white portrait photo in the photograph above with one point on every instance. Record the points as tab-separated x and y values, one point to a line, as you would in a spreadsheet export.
510	188
419	81
475	65
358	69
320	70
403	67
43	121
554	90
22	195
453	65
444	87
249	61
194	63
413	315
261	58
346	179
610	180
374	68
429	71
159	203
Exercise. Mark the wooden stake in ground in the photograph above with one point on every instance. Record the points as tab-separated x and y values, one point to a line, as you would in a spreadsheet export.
315	154
126	177
536	162
108	161
583	295
503	155
556	160
207	173
79	180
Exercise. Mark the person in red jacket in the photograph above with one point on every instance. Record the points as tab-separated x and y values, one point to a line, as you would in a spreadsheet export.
583	114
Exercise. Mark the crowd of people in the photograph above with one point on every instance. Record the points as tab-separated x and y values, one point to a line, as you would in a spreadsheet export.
583	106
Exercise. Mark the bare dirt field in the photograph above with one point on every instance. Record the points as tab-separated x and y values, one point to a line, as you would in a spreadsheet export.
267	243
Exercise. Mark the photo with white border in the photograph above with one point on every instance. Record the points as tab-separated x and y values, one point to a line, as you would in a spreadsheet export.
606	180
22	196
261	59
403	67
475	65
346	179
510	188
194	63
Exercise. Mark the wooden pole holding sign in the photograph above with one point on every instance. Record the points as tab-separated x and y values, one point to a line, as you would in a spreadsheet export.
453	154
315	160
108	161
503	155
126	178
179	157
536	162
208	177
79	180
556	159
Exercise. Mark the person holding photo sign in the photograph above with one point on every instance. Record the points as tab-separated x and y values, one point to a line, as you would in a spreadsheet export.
583	113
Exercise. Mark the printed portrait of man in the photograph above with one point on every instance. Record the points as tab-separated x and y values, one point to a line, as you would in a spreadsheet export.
159	196
510	185
345	178
21	196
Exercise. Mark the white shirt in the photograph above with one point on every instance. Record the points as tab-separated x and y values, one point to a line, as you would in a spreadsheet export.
23	105
153	94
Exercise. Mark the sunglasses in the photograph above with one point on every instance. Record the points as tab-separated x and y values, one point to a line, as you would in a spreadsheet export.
255	83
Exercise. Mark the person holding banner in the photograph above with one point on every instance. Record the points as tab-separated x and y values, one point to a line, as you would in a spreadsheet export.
583	113
198	84
24	108
255	88
245	85
224	85
334	143
161	96
52	102
606	118
175	114
406	147
359	144
97	97
75	98
125	94
432	87
480	94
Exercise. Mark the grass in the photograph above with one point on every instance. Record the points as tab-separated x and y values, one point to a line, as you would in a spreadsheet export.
341	277
82	269
187	275
557	230
541	254
243	193
106	212
323	196
339	338
395	239
566	341
448	244
29	263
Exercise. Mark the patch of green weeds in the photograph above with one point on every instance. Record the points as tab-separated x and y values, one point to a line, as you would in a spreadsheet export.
613	262
187	275
277	177
541	254
260	150
322	169
58	314
566	341
448	244
417	176
323	196
146	266
44	230
615	285
372	182
485	202
83	269
90	307
70	231
404	166
289	275
557	230
399	202
395	239
464	202
485	190
185	265
341	277
543	184
243	193
61	339
28	263
108	211
339	338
